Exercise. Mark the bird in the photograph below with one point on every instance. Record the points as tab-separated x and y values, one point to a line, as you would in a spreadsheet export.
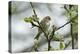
45	23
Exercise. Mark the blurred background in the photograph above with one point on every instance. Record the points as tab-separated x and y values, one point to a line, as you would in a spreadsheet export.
23	34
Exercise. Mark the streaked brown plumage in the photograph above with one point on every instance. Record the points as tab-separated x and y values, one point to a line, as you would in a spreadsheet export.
45	23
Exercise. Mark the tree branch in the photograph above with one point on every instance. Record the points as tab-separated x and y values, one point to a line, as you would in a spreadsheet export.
67	23
33	9
67	44
34	24
72	36
49	39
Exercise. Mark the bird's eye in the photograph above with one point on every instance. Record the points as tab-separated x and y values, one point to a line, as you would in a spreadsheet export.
49	18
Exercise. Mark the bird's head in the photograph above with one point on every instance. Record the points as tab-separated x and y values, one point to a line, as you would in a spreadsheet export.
47	18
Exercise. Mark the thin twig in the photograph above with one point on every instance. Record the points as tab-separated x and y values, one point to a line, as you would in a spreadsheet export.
33	9
34	24
66	9
66	23
67	44
49	39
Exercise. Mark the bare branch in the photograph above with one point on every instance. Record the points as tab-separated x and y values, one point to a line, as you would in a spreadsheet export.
33	9
67	44
66	23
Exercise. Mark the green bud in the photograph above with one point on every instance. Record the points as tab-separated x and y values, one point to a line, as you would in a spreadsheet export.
28	19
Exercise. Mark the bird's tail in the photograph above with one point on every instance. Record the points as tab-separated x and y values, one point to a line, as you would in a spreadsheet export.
37	36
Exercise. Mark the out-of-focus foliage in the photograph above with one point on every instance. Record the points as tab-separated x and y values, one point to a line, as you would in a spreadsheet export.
72	12
61	45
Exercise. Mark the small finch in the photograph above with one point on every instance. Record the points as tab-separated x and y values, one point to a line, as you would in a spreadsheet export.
45	23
